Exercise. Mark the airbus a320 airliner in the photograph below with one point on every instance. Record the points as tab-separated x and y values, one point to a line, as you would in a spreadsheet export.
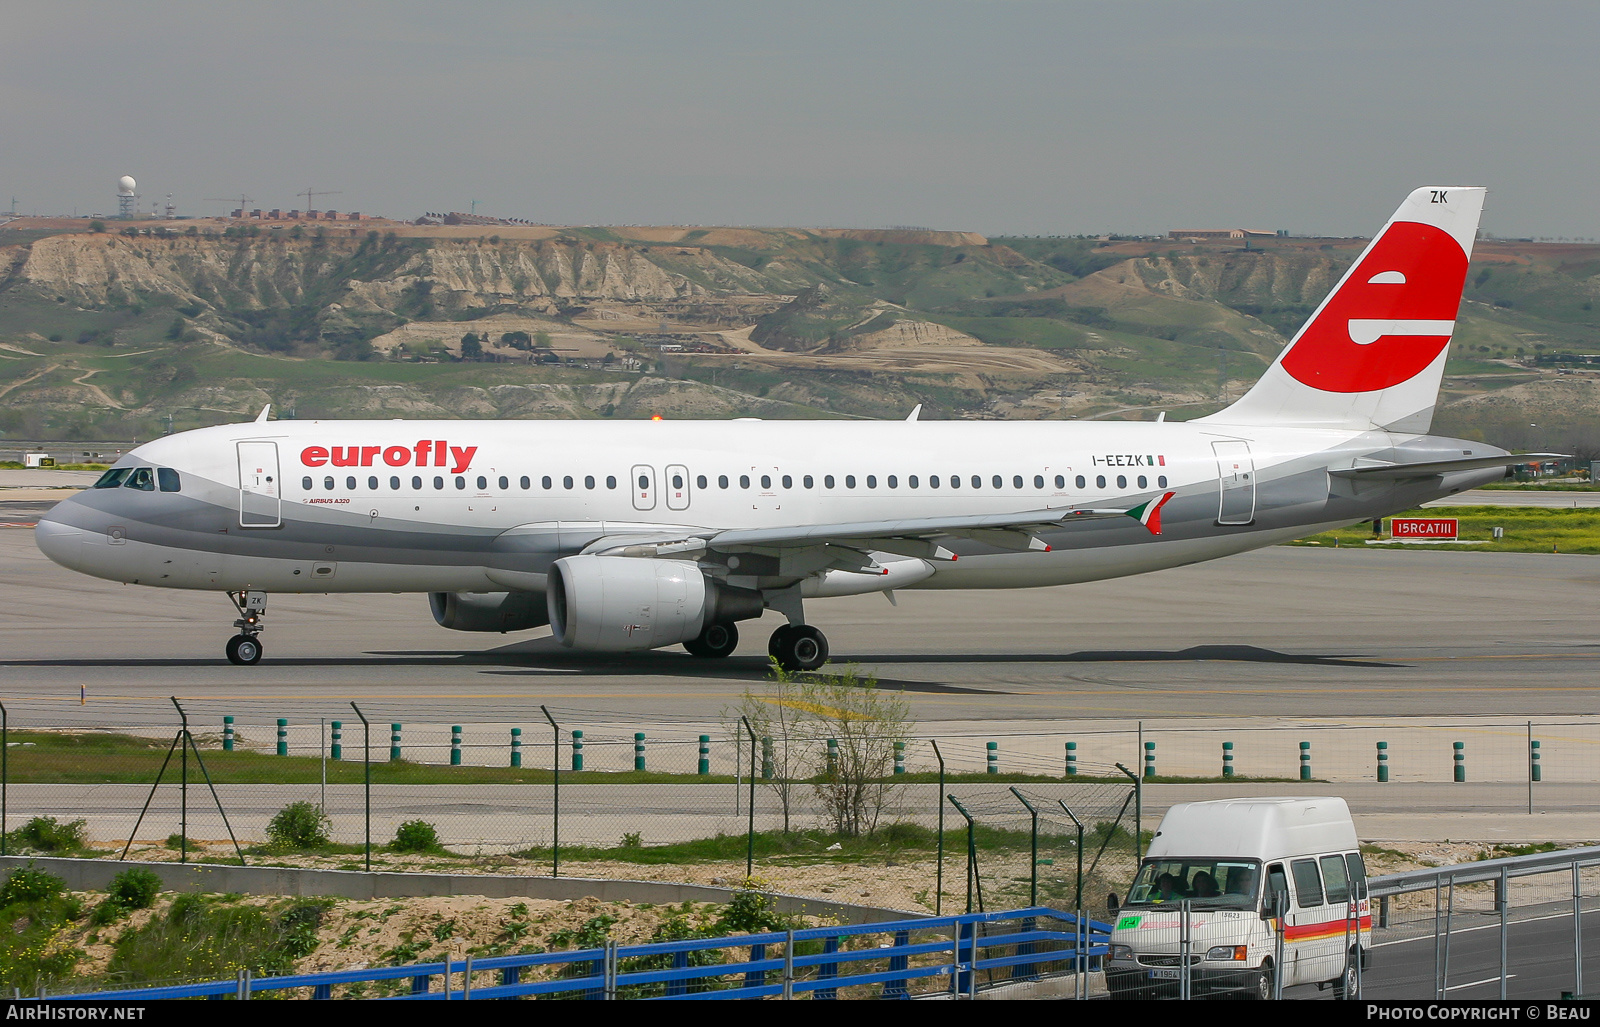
643	534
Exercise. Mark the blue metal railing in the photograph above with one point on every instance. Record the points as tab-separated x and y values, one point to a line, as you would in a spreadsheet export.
959	949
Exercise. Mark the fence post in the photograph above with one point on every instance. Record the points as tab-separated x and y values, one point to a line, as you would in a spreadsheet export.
1305	761
704	768
366	766
828	971
897	988
833	757
577	750
1033	847
5	772
394	742
1072	759
1535	772
750	829
1227	759
1459	757
1383	762
1577	930
455	745
1077	899
938	880
227	734
972	856
336	741
899	757
991	757
283	736
555	777
516	747
1149	759
638	750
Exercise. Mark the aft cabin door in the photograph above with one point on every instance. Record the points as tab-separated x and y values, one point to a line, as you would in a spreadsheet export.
1236	472
260	490
676	485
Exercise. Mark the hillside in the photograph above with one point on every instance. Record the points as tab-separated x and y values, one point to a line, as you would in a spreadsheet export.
111	334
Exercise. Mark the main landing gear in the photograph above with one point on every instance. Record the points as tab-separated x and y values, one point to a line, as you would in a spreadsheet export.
798	647
714	641
794	646
244	649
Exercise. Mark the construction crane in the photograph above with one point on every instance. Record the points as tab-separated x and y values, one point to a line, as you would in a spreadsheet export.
309	193
244	201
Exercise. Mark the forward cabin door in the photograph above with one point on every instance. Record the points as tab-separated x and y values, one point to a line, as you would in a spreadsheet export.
260	490
643	482
1236	472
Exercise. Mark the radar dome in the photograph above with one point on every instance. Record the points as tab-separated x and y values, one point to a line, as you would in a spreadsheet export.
125	185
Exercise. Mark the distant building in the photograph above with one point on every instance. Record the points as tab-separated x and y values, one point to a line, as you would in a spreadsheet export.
1226	233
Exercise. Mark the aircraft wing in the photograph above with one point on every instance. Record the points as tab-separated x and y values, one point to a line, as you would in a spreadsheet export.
866	534
1429	468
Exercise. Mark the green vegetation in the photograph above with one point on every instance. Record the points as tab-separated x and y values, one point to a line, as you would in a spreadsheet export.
47	835
202	937
35	949
47	757
416	836
1528	529
299	826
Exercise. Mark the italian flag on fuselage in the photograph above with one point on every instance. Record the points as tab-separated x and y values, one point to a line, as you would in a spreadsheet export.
1149	514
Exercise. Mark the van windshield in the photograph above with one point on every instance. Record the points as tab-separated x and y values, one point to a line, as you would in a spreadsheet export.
1206	883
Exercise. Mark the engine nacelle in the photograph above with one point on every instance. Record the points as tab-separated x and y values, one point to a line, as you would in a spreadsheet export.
489	611
614	603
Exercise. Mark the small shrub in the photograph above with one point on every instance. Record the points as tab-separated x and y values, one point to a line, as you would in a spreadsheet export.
30	885
46	834
134	889
299	825
416	836
632	840
176	841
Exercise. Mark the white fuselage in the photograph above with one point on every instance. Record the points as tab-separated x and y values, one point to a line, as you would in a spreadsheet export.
355	506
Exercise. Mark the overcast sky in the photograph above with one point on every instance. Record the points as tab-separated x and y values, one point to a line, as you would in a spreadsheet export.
997	117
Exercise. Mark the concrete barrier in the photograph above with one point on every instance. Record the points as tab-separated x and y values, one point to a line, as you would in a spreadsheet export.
222	878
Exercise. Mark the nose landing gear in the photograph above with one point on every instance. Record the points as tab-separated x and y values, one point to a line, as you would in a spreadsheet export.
244	649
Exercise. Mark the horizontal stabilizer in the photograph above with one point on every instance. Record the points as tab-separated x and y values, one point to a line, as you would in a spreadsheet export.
1429	468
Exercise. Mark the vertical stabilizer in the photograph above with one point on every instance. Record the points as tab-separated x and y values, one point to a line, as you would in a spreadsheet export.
1372	355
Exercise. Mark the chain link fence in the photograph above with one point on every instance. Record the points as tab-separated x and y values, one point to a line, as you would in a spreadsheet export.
572	791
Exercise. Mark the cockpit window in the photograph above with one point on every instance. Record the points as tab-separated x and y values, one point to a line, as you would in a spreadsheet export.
142	478
168	479
113	478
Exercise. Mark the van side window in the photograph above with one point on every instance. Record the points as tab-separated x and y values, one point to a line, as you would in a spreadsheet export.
1334	875
1307	883
1277	881
1358	872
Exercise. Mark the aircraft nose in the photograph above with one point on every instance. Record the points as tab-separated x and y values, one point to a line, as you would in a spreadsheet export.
59	540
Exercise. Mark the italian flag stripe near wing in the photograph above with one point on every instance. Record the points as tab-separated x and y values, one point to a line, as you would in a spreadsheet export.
1149	514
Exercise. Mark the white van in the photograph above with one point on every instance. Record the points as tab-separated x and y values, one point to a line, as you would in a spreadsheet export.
1229	860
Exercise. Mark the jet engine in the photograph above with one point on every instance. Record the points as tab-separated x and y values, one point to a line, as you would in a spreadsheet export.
489	611
613	603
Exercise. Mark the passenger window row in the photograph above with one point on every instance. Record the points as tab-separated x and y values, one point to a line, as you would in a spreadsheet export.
568	482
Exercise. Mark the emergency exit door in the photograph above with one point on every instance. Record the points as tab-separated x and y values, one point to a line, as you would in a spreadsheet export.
260	490
1236	474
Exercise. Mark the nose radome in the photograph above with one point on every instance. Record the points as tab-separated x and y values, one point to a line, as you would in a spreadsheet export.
60	542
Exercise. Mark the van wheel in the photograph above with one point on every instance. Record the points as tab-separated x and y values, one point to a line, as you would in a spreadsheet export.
1345	986
1260	989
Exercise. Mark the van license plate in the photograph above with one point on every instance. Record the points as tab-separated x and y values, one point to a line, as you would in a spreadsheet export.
1164	975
